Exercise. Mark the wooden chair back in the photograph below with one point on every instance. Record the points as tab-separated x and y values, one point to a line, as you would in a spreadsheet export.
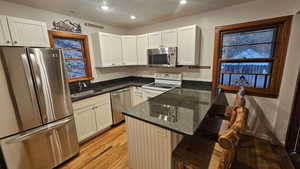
238	102
230	138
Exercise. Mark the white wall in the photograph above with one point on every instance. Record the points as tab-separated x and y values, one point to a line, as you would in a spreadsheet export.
289	81
12	9
274	113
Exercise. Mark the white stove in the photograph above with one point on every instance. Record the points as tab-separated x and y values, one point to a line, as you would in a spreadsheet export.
163	83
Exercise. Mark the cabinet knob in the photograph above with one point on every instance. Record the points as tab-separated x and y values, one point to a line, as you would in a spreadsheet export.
15	42
7	41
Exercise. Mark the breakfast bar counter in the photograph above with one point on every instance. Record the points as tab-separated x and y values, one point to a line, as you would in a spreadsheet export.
160	123
180	110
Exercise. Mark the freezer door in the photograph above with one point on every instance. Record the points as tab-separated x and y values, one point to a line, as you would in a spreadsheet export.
41	148
51	82
24	112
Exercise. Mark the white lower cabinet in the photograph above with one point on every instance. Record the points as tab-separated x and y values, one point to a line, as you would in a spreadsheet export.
92	115
103	116
85	123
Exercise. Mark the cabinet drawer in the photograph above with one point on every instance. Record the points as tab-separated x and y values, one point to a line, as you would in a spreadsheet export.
90	102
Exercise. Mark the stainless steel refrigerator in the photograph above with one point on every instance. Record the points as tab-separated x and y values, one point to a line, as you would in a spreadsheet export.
41	133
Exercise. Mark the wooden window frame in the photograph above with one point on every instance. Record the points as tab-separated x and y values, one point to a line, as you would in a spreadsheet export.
283	25
85	51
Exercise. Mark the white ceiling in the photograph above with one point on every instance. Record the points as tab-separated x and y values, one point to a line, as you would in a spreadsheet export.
146	11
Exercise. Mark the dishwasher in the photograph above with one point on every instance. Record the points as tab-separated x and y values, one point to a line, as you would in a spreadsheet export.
120	101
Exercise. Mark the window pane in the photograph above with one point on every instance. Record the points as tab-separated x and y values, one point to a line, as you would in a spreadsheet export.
257	74
247	67
67	43
75	68
73	54
249	37
252	51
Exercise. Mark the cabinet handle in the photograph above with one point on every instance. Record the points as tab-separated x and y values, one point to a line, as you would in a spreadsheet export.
15	42
7	41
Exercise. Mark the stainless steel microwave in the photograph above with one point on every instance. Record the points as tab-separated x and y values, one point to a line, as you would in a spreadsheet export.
163	57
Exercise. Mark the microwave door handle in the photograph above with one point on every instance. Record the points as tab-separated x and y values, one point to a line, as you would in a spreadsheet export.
41	130
43	87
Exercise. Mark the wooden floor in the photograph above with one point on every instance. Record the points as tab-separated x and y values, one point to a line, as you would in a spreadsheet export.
107	151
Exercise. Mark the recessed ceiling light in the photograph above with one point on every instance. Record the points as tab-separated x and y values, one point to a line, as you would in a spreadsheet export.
105	7
182	2
132	17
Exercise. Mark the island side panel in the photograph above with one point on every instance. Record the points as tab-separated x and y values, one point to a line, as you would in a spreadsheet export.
149	146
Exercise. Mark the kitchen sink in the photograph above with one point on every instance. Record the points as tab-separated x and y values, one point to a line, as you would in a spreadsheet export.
84	93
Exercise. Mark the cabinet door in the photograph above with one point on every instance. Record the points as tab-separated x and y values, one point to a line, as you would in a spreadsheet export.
169	38
188	46
85	122
129	50
155	40
103	116
5	39
111	49
142	47
26	32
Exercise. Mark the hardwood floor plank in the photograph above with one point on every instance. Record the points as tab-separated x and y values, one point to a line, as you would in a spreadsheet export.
107	151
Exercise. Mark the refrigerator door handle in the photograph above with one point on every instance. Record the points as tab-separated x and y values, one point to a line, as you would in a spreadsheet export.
43	87
38	131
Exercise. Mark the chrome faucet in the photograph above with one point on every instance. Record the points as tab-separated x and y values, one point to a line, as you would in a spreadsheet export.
81	85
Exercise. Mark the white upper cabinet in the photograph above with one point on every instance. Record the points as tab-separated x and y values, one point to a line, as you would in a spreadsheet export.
5	39
189	45
142	47
129	46
25	32
114	50
155	40
108	50
169	38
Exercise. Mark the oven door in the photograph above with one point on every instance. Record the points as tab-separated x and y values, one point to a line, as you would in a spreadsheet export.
163	57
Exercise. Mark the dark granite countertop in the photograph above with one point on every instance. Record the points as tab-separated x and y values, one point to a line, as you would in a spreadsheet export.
181	110
116	84
107	89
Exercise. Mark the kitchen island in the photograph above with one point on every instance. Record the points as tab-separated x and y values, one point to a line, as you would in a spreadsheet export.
157	126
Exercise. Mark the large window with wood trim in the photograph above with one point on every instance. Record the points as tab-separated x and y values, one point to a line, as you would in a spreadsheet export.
76	54
253	51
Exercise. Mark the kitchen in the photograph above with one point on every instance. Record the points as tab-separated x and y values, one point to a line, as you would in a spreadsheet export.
112	73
